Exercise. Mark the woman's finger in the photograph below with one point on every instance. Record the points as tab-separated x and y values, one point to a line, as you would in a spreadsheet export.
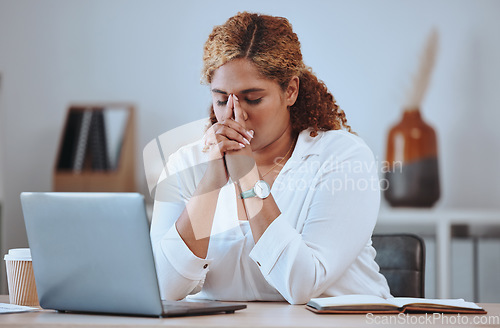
226	145
235	126
229	108
238	111
231	134
218	150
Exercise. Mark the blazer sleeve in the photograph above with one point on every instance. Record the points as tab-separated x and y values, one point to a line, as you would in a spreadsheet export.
179	271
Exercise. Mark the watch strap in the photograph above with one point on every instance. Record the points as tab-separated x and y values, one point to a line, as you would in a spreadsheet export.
248	194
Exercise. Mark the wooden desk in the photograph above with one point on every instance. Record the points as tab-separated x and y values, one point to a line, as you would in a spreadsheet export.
258	314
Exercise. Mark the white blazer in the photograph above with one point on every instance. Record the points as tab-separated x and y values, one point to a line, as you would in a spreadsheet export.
329	195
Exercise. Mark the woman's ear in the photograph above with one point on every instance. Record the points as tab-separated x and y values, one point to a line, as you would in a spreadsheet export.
292	91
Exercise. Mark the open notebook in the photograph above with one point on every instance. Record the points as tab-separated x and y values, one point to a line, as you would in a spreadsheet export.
372	304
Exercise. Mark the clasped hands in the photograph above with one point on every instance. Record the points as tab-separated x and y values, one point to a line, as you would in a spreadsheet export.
229	139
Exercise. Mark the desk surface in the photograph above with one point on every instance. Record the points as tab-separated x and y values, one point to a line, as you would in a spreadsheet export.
258	314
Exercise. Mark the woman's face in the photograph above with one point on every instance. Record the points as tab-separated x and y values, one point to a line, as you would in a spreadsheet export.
262	100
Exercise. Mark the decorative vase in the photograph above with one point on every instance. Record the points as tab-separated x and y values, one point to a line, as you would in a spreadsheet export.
412	174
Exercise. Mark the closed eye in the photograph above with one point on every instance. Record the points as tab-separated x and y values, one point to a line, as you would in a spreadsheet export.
249	101
254	101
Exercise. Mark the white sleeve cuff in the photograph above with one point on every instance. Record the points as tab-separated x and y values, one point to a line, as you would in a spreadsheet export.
272	243
181	258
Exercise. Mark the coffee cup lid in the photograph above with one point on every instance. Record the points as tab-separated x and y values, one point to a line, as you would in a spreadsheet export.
18	254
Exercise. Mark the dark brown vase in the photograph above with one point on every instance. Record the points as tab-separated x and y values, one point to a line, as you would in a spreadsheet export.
412	175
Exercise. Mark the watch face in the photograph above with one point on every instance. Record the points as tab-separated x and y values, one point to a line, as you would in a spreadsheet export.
262	189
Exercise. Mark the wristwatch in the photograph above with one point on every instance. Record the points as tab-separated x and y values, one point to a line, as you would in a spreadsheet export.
261	190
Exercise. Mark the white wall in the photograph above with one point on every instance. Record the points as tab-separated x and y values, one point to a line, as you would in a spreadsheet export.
1	145
56	52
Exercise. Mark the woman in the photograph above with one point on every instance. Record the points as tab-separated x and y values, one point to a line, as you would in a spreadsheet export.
280	198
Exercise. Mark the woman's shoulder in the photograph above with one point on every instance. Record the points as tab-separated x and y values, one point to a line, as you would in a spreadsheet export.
188	155
337	143
191	148
342	137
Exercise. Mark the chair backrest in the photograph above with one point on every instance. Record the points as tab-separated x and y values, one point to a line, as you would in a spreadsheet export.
401	258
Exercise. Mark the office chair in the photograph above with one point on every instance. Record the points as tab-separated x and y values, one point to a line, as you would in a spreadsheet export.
401	258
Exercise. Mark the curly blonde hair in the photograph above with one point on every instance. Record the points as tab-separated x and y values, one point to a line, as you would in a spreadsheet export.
272	46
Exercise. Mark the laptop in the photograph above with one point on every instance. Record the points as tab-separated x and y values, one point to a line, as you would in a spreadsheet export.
92	253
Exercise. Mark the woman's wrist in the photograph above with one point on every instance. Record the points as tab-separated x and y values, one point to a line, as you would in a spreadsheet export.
248	181
216	175
240	164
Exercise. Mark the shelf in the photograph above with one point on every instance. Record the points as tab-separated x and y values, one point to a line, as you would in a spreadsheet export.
441	223
120	177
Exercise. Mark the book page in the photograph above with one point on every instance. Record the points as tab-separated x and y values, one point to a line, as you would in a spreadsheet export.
459	302
351	300
11	308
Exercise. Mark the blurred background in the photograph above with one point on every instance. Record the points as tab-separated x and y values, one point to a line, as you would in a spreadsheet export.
55	53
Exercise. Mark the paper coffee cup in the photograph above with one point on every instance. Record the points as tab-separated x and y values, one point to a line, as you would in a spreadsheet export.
20	277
